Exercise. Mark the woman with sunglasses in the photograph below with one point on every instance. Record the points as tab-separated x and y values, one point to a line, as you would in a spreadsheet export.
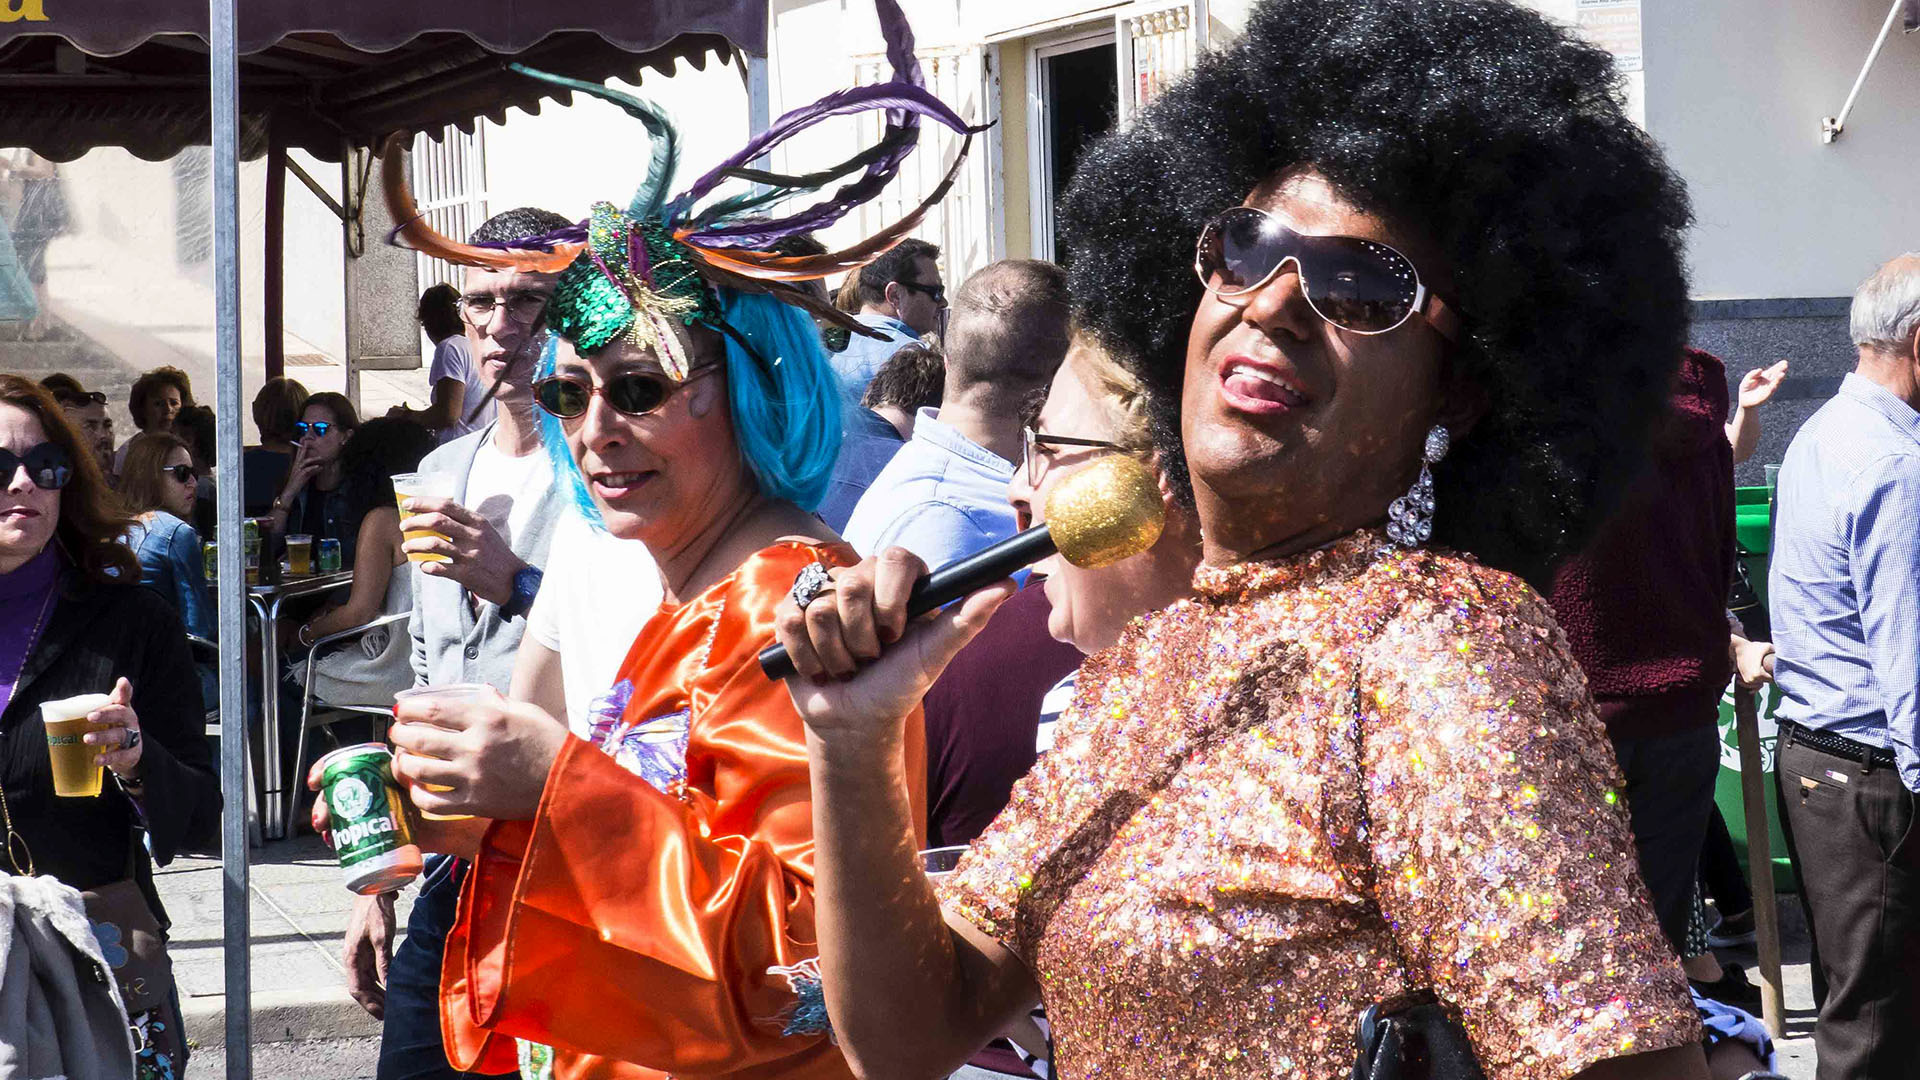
161	490
640	899
73	621
314	498
1417	365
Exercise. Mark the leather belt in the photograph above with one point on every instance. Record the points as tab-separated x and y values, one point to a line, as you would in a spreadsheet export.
1838	745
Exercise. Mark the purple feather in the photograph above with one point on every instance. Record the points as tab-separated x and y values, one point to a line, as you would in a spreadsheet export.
547	241
914	100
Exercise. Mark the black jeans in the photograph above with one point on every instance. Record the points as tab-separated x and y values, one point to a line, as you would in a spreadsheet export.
1852	830
1669	798
410	1043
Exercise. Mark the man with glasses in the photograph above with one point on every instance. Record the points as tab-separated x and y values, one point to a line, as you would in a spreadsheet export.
944	494
901	298
87	411
469	614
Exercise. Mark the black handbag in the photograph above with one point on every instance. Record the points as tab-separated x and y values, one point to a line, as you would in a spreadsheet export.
1419	1041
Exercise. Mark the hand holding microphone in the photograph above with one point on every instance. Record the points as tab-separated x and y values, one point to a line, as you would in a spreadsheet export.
1099	514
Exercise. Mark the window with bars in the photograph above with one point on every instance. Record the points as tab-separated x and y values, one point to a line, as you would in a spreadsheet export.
449	177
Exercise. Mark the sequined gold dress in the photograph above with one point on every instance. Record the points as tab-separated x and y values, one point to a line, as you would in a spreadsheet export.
1326	781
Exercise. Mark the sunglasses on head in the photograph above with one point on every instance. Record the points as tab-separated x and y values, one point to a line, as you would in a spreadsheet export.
303	428
633	393
1359	285
181	473
47	466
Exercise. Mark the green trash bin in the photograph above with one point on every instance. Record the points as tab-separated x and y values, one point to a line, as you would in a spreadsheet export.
1753	519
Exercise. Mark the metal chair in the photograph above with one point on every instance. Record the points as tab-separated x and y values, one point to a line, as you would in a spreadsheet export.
315	713
212	652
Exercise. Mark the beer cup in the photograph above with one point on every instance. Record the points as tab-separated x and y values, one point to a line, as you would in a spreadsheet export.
427	485
451	693
300	554
76	770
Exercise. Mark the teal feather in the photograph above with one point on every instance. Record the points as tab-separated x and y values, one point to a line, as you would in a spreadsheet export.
651	196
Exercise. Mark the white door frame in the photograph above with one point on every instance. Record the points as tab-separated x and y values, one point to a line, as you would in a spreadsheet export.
1039	145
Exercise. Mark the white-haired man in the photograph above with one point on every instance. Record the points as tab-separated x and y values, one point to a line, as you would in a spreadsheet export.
1845	590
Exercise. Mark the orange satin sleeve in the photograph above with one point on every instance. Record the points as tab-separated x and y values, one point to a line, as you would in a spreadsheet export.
637	929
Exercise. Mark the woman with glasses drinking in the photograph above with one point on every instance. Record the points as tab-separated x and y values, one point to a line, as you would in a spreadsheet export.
161	490
314	499
1439	296
74	621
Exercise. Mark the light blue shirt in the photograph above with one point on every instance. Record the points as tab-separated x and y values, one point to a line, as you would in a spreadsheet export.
869	443
942	497
1844	585
856	365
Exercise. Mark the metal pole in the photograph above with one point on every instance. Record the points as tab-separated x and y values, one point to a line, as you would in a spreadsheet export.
1832	126
223	59
1766	916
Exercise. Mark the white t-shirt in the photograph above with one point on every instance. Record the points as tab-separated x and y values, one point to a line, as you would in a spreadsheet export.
453	359
506	490
597	592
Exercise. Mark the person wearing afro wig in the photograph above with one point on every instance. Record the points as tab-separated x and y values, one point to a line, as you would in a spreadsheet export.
1405	285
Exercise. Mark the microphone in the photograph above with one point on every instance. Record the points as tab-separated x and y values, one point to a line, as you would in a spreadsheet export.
1097	515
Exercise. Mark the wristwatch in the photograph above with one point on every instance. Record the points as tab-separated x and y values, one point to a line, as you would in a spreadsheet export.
526	585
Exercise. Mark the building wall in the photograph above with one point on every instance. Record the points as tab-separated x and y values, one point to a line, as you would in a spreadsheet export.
1736	93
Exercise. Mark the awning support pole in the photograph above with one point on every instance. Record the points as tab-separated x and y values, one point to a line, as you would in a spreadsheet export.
223	61
274	270
1832	126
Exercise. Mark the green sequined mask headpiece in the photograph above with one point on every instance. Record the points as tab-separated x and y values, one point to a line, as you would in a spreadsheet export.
634	279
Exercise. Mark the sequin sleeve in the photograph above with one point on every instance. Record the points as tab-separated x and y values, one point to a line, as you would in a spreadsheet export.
1501	852
1002	884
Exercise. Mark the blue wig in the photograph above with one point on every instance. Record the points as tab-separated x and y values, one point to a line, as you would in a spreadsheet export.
785	404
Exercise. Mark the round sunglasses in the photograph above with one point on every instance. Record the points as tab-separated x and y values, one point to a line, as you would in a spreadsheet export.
1358	285
47	465
632	393
318	428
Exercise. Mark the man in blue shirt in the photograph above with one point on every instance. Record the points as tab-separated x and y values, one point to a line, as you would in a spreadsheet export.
944	494
901	297
1845	591
912	379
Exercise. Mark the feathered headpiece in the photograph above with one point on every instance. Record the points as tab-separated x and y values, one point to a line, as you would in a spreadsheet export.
639	270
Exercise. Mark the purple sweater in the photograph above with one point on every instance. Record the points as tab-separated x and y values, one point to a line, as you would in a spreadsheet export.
23	598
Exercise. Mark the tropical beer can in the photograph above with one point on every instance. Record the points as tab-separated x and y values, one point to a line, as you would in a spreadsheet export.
370	832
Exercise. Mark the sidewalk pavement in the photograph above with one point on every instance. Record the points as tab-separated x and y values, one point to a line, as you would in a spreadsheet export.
298	916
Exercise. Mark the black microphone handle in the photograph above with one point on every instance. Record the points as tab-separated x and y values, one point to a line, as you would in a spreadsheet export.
947	584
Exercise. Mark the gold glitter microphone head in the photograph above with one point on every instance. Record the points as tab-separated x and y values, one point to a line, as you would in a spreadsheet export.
1107	510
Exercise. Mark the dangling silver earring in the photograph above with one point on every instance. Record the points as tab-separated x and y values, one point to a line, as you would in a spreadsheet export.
1410	518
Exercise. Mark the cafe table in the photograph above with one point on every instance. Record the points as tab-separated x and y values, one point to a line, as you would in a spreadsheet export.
267	600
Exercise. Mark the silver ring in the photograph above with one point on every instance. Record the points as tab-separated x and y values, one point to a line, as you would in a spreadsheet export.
807	587
133	738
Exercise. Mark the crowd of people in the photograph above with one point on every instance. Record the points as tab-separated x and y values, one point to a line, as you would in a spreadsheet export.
1409	710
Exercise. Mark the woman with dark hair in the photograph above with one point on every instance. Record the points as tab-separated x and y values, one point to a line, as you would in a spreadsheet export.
161	491
276	409
370	670
1404	285
154	400
314	499
73	621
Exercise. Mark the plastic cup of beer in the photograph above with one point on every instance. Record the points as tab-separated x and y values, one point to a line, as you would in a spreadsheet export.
76	768
300	554
453	693
427	485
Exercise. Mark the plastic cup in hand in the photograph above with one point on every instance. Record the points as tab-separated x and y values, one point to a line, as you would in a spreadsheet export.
425	485
939	862
76	766
454	693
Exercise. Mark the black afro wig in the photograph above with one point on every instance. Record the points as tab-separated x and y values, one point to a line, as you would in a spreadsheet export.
1503	138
